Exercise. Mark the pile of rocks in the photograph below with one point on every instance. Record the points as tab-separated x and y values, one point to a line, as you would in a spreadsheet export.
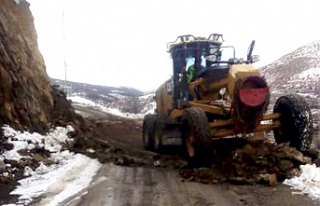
243	161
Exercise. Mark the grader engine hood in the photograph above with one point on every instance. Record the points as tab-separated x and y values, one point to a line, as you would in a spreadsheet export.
250	96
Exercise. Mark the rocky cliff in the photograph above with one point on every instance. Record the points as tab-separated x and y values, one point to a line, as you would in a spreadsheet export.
27	100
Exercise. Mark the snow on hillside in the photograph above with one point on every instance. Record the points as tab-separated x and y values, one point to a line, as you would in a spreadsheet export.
148	107
303	58
309	74
296	72
149	104
121	100
310	51
82	100
147	96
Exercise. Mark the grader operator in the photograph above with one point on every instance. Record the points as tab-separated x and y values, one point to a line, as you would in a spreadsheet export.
209	97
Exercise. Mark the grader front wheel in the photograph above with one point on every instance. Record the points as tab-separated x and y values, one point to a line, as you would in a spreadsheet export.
196	137
296	122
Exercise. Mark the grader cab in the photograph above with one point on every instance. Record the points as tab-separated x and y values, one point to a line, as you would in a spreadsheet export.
211	96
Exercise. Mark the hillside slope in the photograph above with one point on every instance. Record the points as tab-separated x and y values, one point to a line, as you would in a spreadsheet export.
124	99
298	71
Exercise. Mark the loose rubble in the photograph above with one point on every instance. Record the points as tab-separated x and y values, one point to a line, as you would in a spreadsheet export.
238	161
241	161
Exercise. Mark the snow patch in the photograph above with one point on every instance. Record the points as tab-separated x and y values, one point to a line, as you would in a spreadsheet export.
20	141
307	183
58	182
310	73
147	96
81	100
71	174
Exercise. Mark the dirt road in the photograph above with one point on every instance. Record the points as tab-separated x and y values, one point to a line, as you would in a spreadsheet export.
149	185
141	186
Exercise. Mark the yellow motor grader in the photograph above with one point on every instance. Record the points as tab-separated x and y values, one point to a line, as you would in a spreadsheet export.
212	95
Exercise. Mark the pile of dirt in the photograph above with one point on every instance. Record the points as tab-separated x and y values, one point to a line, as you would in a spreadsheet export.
243	161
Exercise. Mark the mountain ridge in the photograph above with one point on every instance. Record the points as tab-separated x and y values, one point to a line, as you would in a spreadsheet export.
296	72
125	99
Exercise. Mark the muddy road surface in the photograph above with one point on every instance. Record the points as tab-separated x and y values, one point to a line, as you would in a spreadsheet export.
135	186
138	181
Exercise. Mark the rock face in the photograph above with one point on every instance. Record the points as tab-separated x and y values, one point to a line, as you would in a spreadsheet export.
25	93
27	99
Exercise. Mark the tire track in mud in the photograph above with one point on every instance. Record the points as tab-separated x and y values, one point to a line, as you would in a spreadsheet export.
145	186
148	188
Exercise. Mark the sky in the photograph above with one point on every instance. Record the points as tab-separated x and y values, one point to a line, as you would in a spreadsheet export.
123	42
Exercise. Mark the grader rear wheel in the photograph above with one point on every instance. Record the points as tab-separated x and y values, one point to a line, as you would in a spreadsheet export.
196	137
158	134
296	122
147	131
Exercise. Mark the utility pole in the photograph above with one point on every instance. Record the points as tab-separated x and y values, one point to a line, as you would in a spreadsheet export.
64	54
